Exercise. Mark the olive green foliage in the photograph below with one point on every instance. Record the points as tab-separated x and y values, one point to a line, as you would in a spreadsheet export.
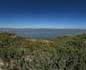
62	53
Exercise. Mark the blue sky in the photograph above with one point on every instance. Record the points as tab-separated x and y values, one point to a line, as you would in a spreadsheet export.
43	13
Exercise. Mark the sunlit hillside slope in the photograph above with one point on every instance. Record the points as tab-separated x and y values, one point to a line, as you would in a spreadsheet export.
61	53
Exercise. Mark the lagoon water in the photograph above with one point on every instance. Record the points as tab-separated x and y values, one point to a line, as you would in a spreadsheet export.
43	33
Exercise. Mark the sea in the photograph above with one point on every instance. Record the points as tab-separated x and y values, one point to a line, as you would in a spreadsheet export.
43	33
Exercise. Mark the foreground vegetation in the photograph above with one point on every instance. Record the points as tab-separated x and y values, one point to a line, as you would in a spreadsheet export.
62	53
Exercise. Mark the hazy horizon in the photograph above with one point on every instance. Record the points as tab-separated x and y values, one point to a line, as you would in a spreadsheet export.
34	27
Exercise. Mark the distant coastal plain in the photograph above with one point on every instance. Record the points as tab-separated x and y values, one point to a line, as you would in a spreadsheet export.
42	33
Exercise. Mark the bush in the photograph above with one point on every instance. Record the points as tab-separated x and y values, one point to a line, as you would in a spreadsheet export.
63	53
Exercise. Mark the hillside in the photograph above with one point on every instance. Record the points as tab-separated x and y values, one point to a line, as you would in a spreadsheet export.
61	53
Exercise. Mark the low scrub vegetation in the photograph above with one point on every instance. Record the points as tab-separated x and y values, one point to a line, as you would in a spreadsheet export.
61	53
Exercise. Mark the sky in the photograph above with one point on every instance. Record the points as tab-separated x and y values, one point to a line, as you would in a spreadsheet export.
43	14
